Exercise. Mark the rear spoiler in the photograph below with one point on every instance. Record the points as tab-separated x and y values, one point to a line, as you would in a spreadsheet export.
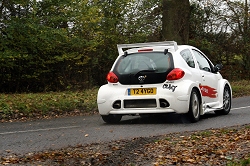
120	47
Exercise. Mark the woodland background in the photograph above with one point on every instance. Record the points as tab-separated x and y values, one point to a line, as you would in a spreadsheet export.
57	45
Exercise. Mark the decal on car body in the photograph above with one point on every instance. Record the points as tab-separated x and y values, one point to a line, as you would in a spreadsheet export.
208	91
169	87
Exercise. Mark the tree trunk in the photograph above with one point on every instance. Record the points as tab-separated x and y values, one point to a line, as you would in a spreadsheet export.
175	21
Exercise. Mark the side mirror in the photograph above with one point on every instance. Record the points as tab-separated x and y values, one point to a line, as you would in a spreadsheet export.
217	68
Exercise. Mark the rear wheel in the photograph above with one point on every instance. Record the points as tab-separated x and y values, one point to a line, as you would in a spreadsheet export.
226	102
194	106
111	118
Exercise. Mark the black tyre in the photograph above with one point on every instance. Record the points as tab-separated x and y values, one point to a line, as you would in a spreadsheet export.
111	118
227	102
194	106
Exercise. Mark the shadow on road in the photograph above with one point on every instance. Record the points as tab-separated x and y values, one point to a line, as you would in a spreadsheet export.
161	119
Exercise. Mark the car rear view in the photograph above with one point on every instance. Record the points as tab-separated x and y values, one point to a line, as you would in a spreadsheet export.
138	80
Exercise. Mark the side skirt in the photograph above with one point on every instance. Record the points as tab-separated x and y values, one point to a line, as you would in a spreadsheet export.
211	107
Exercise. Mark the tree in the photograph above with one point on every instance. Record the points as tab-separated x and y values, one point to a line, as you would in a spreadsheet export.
32	38
221	29
175	21
60	44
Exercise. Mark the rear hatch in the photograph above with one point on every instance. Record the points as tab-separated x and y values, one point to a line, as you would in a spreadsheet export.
143	68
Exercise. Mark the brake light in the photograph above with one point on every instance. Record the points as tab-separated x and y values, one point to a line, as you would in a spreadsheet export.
175	74
112	78
146	50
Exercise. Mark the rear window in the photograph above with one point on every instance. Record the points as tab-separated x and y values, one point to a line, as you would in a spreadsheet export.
152	66
152	61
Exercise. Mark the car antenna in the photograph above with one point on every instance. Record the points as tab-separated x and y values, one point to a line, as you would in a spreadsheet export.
165	51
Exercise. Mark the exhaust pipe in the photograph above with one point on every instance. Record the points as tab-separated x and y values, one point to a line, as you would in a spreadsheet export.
117	104
164	103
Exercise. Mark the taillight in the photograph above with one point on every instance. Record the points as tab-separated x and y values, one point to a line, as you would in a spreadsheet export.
112	78
175	74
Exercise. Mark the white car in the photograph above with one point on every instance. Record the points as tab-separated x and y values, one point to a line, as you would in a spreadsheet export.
163	77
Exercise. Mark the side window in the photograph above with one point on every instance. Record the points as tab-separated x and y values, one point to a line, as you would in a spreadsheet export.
202	61
187	56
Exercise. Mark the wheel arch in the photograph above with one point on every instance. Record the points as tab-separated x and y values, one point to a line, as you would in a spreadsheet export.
195	85
200	98
222	84
195	109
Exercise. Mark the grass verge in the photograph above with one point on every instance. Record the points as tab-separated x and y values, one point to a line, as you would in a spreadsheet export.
44	105
240	88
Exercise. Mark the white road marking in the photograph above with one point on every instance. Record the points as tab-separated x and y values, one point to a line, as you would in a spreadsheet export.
46	129
240	108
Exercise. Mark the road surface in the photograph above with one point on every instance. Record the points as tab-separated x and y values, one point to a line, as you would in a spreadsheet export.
19	138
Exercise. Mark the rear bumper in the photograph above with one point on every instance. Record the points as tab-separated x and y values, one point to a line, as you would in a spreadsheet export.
109	94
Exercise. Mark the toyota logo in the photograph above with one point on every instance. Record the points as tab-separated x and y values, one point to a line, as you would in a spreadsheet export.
141	78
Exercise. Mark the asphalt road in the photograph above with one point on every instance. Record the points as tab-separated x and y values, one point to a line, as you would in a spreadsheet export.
20	138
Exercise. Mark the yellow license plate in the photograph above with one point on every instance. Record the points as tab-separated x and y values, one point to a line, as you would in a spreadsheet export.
141	91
